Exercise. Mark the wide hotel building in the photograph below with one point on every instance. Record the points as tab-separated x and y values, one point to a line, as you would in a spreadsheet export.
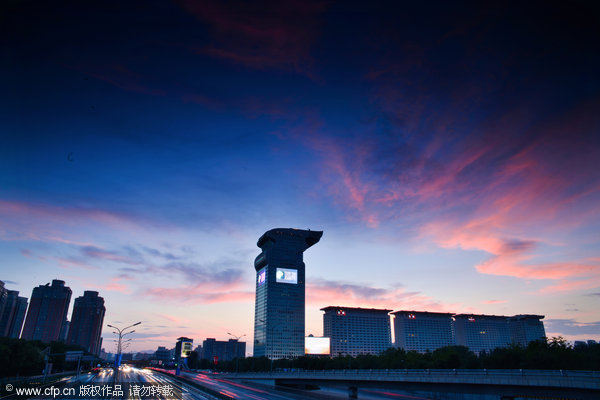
355	331
426	331
280	292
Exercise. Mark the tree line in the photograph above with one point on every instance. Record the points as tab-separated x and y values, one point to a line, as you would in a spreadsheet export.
554	353
20	357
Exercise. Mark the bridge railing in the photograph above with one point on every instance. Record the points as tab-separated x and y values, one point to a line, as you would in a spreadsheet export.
426	372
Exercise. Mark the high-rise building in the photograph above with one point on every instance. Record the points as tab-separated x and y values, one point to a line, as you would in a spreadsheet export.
225	350
422	331
526	328
85	328
355	331
47	312
12	312
426	331
280	292
3	296
18	317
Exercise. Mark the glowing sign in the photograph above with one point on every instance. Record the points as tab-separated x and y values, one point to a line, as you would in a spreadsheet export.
411	316
317	345
186	349
284	275
262	277
471	319
341	312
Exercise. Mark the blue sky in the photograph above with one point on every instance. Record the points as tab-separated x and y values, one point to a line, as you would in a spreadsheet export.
448	151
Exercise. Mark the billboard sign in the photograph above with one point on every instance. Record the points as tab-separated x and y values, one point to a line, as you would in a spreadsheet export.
317	346
262	276
186	349
284	275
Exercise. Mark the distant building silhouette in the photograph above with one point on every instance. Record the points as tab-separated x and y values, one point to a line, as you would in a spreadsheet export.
163	355
47	312
85	328
12	312
427	331
355	331
280	292
225	350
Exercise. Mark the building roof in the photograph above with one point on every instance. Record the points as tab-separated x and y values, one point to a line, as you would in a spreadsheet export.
422	313
334	308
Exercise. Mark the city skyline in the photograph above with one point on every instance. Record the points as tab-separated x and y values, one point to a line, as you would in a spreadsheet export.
449	151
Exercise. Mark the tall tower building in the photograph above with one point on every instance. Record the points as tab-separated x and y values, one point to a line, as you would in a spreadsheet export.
12	315
19	316
280	292
47	312
355	331
85	327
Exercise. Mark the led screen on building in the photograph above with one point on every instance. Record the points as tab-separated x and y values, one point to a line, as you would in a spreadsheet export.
316	346
186	349
284	275
262	276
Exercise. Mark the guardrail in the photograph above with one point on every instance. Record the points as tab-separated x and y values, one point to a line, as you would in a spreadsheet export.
546	378
34	379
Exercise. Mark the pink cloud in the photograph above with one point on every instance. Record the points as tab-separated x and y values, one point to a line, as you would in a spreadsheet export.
23	221
69	263
322	293
494	302
206	293
566	285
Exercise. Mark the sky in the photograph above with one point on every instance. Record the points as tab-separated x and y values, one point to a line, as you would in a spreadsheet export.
448	150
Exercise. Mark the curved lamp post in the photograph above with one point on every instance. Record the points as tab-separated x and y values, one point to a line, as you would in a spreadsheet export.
121	332
237	338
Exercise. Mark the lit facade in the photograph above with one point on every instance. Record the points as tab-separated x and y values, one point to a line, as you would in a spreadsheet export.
280	292
85	328
47	314
355	331
423	331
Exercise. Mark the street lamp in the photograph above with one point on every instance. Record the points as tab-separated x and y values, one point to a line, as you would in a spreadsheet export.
237	338
121	332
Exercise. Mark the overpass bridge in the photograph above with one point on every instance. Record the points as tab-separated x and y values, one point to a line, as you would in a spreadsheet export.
506	384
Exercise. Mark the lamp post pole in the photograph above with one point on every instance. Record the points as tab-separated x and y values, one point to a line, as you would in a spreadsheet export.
237	338
121	332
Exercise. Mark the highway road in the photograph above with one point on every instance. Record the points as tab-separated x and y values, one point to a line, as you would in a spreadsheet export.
240	390
99	385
